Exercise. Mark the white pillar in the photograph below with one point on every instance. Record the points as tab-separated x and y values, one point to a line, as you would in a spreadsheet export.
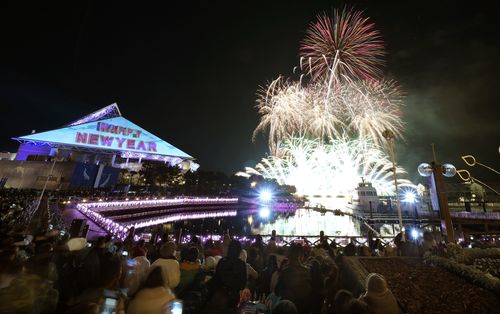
98	177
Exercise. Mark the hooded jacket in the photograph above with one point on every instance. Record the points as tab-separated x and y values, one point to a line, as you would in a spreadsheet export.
150	301
379	297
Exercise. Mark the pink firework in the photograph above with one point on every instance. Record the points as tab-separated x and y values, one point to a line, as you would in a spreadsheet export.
346	47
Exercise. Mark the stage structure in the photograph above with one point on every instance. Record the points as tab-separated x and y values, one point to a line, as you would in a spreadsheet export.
89	152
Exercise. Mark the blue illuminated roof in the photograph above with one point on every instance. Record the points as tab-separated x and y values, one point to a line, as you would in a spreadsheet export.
107	130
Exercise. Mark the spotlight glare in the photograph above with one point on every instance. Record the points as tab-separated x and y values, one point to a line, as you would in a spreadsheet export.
414	234
410	197
265	195
264	212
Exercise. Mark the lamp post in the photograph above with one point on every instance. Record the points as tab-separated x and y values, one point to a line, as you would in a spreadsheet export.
389	136
36	222
436	172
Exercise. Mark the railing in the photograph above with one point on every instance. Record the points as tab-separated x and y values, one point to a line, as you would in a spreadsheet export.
418	216
91	211
285	240
183	216
377	216
434	215
117	205
468	215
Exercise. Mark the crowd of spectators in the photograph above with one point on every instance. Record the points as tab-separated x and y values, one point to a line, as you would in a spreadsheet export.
51	273
48	272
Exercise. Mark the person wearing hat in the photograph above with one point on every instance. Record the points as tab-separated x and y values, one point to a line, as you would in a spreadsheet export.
378	297
209	268
210	263
171	272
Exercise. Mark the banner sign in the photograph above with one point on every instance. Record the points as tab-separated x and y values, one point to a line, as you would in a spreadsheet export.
84	175
433	192
125	138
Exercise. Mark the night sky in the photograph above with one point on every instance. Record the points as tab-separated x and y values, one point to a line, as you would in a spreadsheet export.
188	73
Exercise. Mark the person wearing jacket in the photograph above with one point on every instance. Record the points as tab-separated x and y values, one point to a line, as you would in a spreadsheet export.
139	266
230	278
294	282
378	297
153	296
171	272
190	266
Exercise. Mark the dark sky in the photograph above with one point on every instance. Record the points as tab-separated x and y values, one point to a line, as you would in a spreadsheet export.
188	73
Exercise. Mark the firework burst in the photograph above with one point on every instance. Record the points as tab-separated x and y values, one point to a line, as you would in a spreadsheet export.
327	133
335	168
360	109
280	106
345	46
373	106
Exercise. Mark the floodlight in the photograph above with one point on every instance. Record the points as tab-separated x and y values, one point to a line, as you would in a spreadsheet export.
265	195
264	212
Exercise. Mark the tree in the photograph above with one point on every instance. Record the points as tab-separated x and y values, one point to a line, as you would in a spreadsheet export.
157	174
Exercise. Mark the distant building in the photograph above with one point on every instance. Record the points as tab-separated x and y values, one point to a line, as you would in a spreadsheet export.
7	156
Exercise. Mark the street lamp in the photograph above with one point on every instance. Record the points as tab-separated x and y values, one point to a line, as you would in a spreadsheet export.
389	136
437	172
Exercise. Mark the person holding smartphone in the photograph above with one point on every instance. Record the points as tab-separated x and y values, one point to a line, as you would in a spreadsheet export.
107	296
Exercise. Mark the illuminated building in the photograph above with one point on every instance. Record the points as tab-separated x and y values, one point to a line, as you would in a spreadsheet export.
89	152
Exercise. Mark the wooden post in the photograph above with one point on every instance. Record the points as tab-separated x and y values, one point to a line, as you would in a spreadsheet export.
179	236
446	222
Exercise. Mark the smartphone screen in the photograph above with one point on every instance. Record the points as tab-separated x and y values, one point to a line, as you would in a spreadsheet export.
109	306
173	307
110	302
176	307
249	308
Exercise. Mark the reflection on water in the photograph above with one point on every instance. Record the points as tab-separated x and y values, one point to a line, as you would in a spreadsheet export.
309	222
